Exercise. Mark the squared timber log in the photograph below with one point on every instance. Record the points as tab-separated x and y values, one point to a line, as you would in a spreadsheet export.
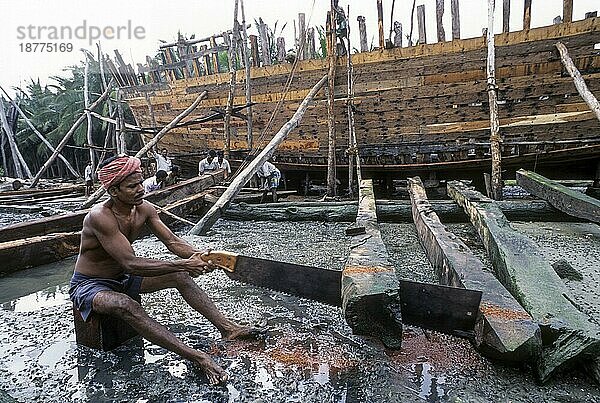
370	287
101	332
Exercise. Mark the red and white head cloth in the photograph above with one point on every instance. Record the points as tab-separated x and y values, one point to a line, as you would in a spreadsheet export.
117	170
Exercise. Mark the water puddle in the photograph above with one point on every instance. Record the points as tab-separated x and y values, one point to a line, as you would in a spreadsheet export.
431	387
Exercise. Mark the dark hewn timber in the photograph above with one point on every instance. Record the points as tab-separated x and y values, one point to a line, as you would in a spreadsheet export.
40	193
563	198
568	335
504	330
180	190
370	290
387	211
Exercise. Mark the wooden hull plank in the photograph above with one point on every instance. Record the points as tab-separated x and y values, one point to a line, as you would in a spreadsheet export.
504	329
370	288
563	198
568	335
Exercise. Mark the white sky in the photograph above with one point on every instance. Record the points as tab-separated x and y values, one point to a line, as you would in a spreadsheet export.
162	19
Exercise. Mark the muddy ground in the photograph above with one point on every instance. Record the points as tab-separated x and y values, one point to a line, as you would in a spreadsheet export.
310	355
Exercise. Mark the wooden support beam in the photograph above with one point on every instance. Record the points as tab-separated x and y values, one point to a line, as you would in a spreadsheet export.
352	143
370	295
302	37
263	37
215	56
232	74
379	24
149	145
561	197
331	140
527	15
439	14
362	30
240	180
580	84
505	331
86	103
505	15
455	19
567	11
397	34
254	50
568	335
21	168
312	43
281	49
421	24
495	138
248	83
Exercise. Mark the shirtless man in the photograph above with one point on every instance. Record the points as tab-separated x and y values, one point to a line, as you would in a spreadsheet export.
108	272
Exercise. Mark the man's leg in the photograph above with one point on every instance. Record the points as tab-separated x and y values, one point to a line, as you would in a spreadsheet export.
197	299
124	307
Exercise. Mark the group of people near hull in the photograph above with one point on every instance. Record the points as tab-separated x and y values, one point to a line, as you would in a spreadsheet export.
109	277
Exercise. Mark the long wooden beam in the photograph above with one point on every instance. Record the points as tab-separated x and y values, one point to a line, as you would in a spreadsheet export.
505	330
568	335
370	289
561	197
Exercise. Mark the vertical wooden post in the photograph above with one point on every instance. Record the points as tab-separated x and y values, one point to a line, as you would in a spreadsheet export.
302	37
11	141
231	94
421	24
254	50
121	148
352	144
392	21
495	138
439	13
397	34
312	45
248	86
215	55
527	14
362	30
110	128
380	24
264	43
281	49
567	10
455	19
331	53
86	102
412	23
506	16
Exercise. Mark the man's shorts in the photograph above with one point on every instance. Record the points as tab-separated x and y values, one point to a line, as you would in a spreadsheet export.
84	288
273	181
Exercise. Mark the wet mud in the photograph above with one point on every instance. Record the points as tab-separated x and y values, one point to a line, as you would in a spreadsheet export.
310	354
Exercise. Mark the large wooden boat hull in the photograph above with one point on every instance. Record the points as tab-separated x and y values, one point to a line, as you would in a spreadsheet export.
416	108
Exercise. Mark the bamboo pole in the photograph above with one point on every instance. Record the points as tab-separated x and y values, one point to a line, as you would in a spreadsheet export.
495	138
332	59
506	16
121	127
231	94
379	23
302	37
264	43
439	14
148	146
11	141
86	102
108	101
580	84
527	14
68	135
391	21
248	86
352	145
40	135
455	11
240	180
168	213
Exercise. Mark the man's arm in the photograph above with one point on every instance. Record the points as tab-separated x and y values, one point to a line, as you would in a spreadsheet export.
106	229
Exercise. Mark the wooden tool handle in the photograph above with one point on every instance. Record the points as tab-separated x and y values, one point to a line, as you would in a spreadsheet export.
223	259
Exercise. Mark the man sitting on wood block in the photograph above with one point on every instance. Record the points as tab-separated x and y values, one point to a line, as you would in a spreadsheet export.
108	273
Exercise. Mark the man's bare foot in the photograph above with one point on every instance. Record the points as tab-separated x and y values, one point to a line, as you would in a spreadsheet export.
214	373
244	333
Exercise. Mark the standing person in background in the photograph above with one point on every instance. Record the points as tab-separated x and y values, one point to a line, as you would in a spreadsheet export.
208	164
154	182
223	164
163	162
269	176
89	179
